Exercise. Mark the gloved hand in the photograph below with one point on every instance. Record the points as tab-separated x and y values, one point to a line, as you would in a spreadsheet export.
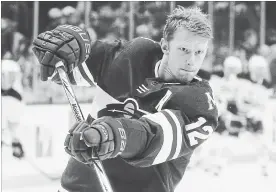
106	134
66	43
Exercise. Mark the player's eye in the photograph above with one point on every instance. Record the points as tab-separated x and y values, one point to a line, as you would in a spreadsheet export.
184	50
198	52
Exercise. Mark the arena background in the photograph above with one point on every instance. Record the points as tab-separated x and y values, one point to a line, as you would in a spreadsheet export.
240	29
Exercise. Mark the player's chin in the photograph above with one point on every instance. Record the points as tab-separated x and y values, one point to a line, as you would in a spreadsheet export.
187	77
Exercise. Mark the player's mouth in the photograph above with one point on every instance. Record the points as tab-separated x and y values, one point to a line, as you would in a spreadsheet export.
189	71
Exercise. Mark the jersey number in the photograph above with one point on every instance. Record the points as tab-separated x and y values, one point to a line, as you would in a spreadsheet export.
195	135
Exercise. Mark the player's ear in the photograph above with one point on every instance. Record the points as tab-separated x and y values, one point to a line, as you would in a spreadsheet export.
164	46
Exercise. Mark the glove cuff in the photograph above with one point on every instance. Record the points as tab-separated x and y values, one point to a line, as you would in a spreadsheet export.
119	133
120	139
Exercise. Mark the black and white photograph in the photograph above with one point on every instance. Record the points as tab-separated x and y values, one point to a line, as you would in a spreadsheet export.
138	96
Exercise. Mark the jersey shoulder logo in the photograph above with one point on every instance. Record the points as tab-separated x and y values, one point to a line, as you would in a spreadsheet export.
211	102
128	109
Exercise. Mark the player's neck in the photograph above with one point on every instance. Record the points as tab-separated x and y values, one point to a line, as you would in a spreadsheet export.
163	72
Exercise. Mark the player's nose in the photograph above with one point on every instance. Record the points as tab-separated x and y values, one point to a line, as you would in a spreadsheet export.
191	59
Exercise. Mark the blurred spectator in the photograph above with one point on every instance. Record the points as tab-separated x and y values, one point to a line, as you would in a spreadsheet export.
15	47
143	31
14	44
55	16
250	43
147	30
94	18
264	51
255	93
271	35
272	66
69	16
226	90
259	70
12	106
111	22
74	17
232	67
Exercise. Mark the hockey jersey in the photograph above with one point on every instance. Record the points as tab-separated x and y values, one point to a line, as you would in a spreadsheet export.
176	117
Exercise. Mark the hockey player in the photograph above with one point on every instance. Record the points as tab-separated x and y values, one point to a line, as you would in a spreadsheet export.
11	90
230	89
151	109
255	93
226	89
254	102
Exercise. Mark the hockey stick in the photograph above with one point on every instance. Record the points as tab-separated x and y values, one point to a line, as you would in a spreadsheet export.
97	165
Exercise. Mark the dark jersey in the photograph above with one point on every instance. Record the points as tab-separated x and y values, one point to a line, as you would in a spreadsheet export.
175	117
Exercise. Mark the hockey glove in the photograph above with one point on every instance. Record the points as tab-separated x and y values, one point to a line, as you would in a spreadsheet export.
66	43
106	134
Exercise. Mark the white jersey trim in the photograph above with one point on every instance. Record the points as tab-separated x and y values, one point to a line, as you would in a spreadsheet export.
80	81
90	76
171	129
178	133
83	81
165	150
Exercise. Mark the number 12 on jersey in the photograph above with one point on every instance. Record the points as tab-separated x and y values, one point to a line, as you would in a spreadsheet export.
197	134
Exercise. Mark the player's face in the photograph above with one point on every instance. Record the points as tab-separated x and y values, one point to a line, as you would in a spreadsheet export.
183	55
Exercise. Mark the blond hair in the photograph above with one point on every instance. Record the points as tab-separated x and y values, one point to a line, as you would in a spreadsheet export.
192	18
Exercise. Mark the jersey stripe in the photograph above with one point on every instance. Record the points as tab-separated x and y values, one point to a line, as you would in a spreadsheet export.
174	129
85	73
160	118
142	89
163	101
172	135
179	134
145	87
197	78
78	78
138	90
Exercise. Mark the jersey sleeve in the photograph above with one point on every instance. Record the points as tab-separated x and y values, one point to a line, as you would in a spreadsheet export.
91	72
172	132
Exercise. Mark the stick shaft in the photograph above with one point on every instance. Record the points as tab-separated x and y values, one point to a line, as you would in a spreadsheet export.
98	167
